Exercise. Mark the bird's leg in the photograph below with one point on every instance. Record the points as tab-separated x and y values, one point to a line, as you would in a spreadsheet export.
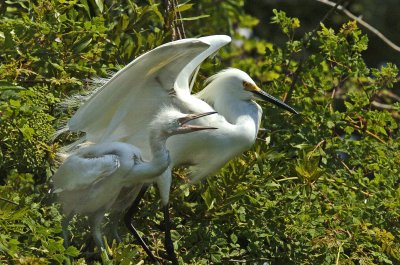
128	222
169	245
114	220
64	226
164	185
95	221
134	207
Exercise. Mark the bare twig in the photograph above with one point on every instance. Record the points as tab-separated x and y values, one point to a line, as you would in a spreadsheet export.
367	132
346	167
316	147
179	21
6	200
347	186
338	254
390	94
247	260
362	23
379	105
296	74
261	139
285	179
174	22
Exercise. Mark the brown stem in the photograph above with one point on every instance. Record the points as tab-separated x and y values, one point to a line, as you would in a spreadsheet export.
367	132
173	20
288	95
6	200
363	23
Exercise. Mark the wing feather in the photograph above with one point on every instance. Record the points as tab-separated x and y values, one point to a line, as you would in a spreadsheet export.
122	108
215	42
79	172
155	70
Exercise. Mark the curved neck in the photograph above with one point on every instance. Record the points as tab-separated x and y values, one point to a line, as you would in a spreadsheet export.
245	116
160	157
232	108
237	111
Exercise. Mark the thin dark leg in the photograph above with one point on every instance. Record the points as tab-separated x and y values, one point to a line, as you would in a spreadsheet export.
169	246
134	207
64	224
95	227
128	222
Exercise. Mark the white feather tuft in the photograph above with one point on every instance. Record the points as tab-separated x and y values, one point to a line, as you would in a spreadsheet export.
229	72
94	84
165	114
58	133
68	150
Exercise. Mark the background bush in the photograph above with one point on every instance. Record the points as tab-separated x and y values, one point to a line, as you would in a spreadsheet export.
321	187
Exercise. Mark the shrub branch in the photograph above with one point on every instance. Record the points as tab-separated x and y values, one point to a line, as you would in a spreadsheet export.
362	23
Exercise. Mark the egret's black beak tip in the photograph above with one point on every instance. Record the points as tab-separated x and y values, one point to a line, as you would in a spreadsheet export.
277	102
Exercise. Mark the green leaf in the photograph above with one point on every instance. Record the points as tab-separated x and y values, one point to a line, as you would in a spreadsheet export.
27	132
72	251
208	199
183	7
15	103
234	238
82	44
330	124
100	5
194	18
8	40
85	6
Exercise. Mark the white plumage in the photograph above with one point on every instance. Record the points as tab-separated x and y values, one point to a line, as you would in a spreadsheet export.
123	107
91	177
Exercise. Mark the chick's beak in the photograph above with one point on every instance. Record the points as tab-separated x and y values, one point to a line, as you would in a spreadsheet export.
264	96
183	121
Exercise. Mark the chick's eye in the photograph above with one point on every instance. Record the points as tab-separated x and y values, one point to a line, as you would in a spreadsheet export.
180	120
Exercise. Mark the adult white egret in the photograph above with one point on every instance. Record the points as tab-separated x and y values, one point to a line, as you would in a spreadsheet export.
120	109
91	178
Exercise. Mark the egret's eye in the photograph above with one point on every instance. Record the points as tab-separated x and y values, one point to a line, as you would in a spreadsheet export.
248	86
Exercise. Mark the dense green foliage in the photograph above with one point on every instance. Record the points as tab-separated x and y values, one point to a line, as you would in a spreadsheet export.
321	187
373	12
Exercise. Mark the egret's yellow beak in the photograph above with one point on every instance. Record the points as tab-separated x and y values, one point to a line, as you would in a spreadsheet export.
264	96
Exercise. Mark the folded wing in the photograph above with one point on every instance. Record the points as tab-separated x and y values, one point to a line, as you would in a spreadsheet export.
79	172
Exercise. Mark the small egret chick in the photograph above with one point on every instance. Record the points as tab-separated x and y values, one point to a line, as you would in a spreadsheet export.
91	178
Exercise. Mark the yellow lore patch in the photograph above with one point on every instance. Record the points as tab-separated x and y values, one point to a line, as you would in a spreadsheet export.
250	87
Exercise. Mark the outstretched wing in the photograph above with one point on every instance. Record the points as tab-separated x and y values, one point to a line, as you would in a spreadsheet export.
215	42
78	172
122	108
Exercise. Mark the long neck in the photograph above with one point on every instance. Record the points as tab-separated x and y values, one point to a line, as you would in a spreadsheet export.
245	116
236	110
232	108
160	157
